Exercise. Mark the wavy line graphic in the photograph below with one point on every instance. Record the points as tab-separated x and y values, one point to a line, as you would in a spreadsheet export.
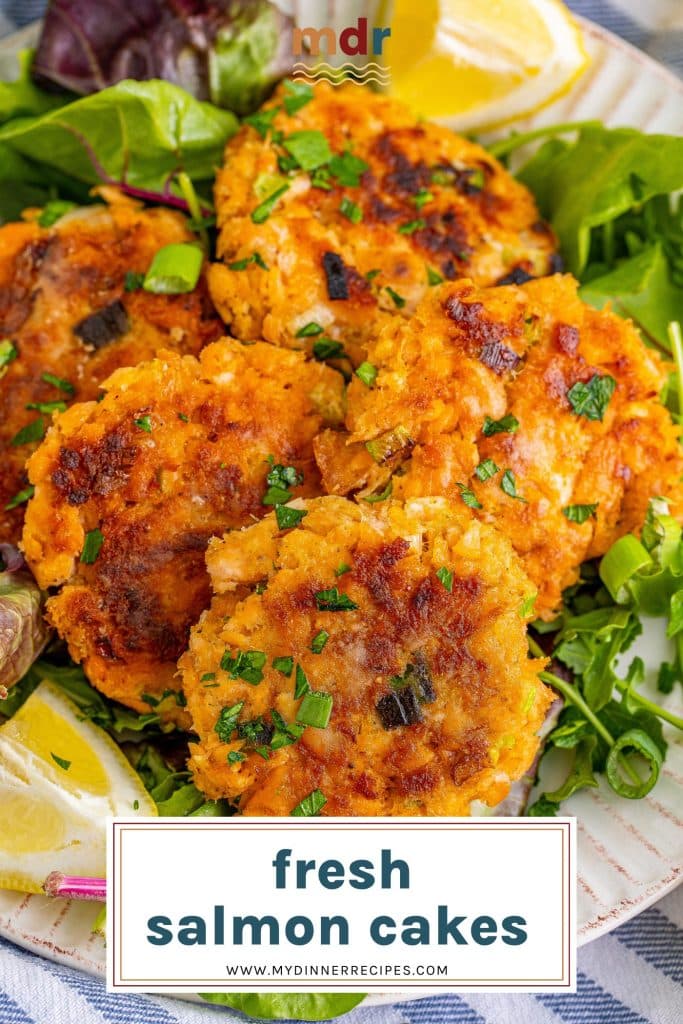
339	67
336	79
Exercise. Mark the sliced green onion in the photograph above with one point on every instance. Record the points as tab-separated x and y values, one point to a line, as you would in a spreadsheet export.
264	209
57	382
301	684
485	470
175	269
315	709
33	431
433	276
367	373
411	226
309	148
445	577
47	407
288	517
91	546
144	423
638	741
310	330
391	443
579	513
374	499
284	665
8	352
319	640
20	497
351	210
623	560
54	211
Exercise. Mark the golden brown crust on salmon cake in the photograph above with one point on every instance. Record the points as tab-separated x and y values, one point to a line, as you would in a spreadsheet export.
176	452
405	621
354	239
530	404
52	280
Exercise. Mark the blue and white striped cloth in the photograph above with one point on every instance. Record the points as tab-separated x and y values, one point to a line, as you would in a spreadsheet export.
633	976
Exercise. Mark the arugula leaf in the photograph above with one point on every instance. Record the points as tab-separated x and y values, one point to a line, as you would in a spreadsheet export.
627	168
639	287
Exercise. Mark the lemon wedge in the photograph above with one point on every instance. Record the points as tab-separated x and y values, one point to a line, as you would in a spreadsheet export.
59	779
478	65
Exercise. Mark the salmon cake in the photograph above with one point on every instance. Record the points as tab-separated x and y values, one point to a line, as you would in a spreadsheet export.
337	208
129	490
541	413
72	311
369	659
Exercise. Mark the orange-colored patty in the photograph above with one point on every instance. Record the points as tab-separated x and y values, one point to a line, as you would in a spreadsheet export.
472	354
51	281
434	702
176	452
402	203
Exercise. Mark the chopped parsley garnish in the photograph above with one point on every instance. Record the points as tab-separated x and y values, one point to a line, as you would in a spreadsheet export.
485	470
367	373
297	95
47	407
235	756
8	353
283	665
507	425
398	300
262	120
311	330
326	348
342	568
373	499
301	684
468	496
422	197
315	709
246	665
319	640
347	169
445	576
54	211
411	226
333	601
144	423
57	382
309	148
371	275
433	277
244	263
579	513
288	517
227	721
279	479
94	540
310	806
33	431
20	497
133	281
351	210
264	209
591	399
207	677
320	178
285	733
61	761
508	485
183	417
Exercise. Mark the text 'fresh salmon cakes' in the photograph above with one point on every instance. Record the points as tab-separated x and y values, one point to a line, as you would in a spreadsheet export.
129	490
72	311
375	656
337	207
535	410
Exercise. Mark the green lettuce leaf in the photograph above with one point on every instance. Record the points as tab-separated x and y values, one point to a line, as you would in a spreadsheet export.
603	174
134	134
294	1006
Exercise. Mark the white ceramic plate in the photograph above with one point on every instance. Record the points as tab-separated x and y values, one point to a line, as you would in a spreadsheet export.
630	853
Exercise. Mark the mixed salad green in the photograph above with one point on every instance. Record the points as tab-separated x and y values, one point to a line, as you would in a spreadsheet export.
613	198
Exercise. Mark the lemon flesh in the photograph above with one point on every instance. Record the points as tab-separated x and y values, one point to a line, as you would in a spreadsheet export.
477	64
59	780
